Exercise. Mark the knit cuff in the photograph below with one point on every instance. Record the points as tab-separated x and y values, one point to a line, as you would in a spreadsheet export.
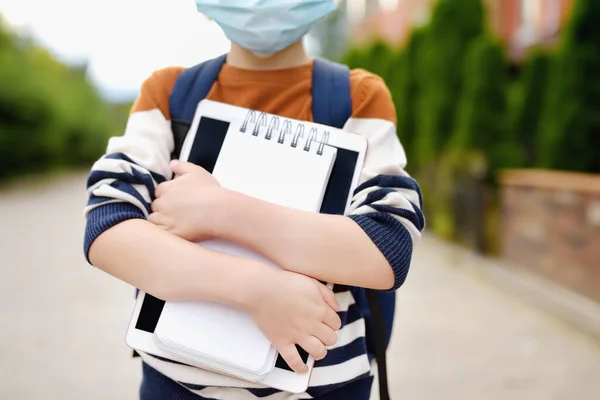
392	239
105	217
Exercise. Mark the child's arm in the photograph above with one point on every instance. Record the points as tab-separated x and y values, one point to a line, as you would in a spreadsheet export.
170	268
289	308
370	248
373	247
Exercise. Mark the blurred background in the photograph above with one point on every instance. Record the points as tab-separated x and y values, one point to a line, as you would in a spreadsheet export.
498	105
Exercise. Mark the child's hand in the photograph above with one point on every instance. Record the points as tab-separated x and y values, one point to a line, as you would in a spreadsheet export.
185	205
294	309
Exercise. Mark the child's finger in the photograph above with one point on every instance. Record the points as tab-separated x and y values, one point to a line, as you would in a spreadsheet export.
292	358
157	219
314	347
156	205
182	167
161	188
332	320
326	335
329	297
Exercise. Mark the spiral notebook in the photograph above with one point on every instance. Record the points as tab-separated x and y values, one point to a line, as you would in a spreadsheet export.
290	171
204	143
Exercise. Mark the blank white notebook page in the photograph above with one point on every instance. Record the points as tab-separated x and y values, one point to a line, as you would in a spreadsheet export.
275	172
271	171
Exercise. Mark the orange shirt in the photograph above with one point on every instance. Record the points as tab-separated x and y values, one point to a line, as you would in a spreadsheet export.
285	92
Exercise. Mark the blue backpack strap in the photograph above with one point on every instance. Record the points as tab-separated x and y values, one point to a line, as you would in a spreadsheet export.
332	106
191	87
331	100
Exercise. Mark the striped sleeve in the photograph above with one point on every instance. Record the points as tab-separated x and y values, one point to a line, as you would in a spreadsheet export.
388	203
121	183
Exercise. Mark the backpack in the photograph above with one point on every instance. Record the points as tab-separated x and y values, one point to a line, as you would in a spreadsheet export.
332	106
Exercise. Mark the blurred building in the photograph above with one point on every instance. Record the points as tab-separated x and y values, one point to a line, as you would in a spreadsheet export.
390	20
519	23
525	23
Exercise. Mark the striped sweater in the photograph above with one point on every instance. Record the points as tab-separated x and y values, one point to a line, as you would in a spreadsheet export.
387	204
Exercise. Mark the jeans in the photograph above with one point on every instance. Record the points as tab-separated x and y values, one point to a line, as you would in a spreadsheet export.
156	386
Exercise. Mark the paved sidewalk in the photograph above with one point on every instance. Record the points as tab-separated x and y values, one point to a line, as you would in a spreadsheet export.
457	337
460	337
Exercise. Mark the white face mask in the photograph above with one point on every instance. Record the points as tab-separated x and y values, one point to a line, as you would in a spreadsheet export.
265	27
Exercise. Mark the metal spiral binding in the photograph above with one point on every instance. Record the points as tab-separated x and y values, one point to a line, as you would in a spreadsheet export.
274	123
311	137
323	142
287	129
262	118
299	133
250	117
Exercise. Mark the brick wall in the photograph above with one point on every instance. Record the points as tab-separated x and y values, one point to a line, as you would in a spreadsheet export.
551	225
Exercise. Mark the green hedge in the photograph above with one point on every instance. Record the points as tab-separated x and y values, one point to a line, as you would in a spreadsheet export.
439	61
463	115
570	127
482	109
527	101
450	83
50	116
404	85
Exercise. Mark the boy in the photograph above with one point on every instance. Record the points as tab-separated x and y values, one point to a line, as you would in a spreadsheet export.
142	225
